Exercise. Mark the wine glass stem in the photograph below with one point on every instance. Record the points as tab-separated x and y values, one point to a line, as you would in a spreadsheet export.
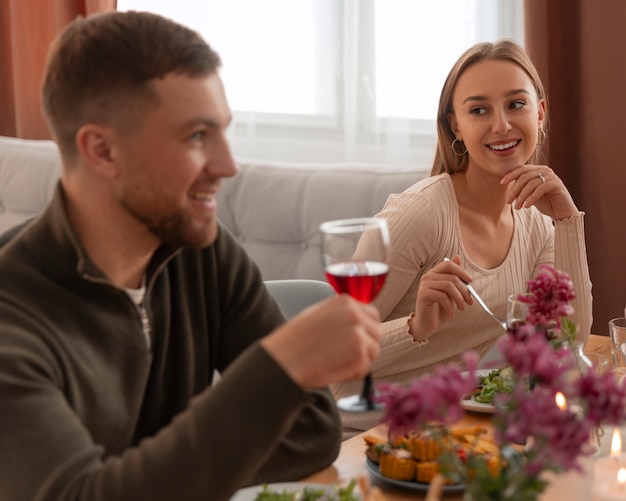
367	393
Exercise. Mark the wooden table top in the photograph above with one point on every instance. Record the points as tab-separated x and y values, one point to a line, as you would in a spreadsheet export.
351	461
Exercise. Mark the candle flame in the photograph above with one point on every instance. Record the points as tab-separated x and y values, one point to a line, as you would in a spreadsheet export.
616	443
621	476
561	402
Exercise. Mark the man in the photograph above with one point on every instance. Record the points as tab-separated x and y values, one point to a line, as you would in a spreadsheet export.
120	301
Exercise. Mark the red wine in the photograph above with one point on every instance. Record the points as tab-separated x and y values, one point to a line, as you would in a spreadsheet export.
362	280
513	327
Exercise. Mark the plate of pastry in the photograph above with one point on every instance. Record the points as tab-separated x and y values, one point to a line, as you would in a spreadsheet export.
421	487
412	460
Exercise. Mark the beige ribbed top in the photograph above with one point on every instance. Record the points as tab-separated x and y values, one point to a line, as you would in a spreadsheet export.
424	227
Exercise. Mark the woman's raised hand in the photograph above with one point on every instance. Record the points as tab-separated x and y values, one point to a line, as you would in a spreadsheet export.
538	185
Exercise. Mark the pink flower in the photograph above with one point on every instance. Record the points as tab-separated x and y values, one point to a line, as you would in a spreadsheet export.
432	397
559	436
549	294
605	397
532	356
555	436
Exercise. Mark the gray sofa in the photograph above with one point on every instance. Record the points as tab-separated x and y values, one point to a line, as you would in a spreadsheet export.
274	209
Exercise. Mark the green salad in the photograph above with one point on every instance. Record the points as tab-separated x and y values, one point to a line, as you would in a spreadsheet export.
309	494
497	381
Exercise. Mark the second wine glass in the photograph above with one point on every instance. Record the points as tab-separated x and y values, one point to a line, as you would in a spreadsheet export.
516	313
355	255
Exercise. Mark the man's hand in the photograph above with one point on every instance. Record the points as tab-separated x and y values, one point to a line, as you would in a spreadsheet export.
332	341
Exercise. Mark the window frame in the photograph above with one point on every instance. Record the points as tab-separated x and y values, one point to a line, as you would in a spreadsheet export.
357	119
355	132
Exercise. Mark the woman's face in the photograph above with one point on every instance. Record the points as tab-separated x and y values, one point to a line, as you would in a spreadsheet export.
497	114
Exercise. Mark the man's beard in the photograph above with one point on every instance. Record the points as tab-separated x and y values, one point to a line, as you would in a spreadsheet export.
173	227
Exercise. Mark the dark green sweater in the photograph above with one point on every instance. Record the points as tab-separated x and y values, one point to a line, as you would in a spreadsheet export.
89	411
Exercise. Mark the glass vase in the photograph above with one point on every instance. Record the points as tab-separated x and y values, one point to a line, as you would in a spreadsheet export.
582	363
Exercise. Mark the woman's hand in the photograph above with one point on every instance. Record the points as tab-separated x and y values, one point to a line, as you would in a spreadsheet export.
441	292
538	185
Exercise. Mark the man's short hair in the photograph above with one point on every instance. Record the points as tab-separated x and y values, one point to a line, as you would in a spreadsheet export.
101	69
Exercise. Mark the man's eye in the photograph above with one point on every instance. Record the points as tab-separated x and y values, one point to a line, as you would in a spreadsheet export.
198	135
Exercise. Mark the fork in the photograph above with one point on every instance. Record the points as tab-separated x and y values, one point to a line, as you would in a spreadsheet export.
480	301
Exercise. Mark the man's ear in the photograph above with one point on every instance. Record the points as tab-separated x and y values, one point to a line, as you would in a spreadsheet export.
95	144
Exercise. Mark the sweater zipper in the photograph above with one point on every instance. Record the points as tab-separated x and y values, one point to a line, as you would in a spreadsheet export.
145	325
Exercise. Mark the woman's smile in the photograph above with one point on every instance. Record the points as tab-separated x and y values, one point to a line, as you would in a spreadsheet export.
503	146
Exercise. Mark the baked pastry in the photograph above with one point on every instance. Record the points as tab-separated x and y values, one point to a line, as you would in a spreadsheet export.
417	455
397	463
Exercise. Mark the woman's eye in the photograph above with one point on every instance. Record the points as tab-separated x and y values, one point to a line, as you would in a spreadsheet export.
478	111
516	105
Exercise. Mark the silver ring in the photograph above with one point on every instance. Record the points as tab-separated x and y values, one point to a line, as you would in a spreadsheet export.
540	176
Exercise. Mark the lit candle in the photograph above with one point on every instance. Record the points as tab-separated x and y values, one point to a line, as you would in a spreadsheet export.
561	403
609	472
571	485
616	443
611	439
611	490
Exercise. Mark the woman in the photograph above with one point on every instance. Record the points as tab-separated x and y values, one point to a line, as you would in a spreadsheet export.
490	206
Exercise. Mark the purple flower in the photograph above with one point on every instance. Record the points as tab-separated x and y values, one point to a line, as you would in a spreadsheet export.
555	436
532	356
559	436
549	294
432	397
605	397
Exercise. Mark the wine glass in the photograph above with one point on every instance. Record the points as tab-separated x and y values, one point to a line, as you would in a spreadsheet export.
516	313
355	255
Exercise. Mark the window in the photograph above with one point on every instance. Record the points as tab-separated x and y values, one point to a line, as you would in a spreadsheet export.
338	79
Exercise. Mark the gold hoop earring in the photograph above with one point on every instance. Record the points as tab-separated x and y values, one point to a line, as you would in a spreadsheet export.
454	150
542	135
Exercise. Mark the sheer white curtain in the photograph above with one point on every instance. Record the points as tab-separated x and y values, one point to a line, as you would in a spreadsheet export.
338	80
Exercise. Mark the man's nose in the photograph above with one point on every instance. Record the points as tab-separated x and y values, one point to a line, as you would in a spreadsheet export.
222	163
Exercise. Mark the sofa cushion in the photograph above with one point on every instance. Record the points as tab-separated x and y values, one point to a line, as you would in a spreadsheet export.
29	170
275	209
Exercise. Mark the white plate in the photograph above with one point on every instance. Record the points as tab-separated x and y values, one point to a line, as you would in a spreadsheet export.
472	405
249	493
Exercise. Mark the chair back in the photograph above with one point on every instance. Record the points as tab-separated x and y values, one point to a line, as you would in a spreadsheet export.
294	295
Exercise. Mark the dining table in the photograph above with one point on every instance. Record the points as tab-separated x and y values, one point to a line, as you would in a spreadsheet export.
351	462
